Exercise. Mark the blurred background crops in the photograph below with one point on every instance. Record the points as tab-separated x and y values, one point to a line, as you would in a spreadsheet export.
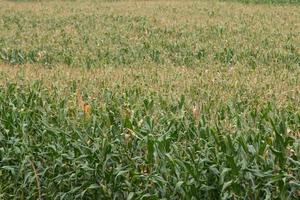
194	33
149	100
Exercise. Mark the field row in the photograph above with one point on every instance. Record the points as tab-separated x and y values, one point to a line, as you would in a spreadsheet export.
137	33
128	147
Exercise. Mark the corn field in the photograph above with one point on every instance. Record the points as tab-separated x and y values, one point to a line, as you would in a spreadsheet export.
149	100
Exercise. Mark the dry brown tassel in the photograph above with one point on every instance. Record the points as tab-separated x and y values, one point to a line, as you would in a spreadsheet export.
87	110
80	102
196	113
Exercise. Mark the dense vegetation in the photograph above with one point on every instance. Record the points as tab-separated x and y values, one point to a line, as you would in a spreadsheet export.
130	34
149	100
133	147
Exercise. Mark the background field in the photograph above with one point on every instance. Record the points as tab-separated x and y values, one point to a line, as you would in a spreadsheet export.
149	100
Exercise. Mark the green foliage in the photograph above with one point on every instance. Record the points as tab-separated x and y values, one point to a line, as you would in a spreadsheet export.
223	125
50	150
80	36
